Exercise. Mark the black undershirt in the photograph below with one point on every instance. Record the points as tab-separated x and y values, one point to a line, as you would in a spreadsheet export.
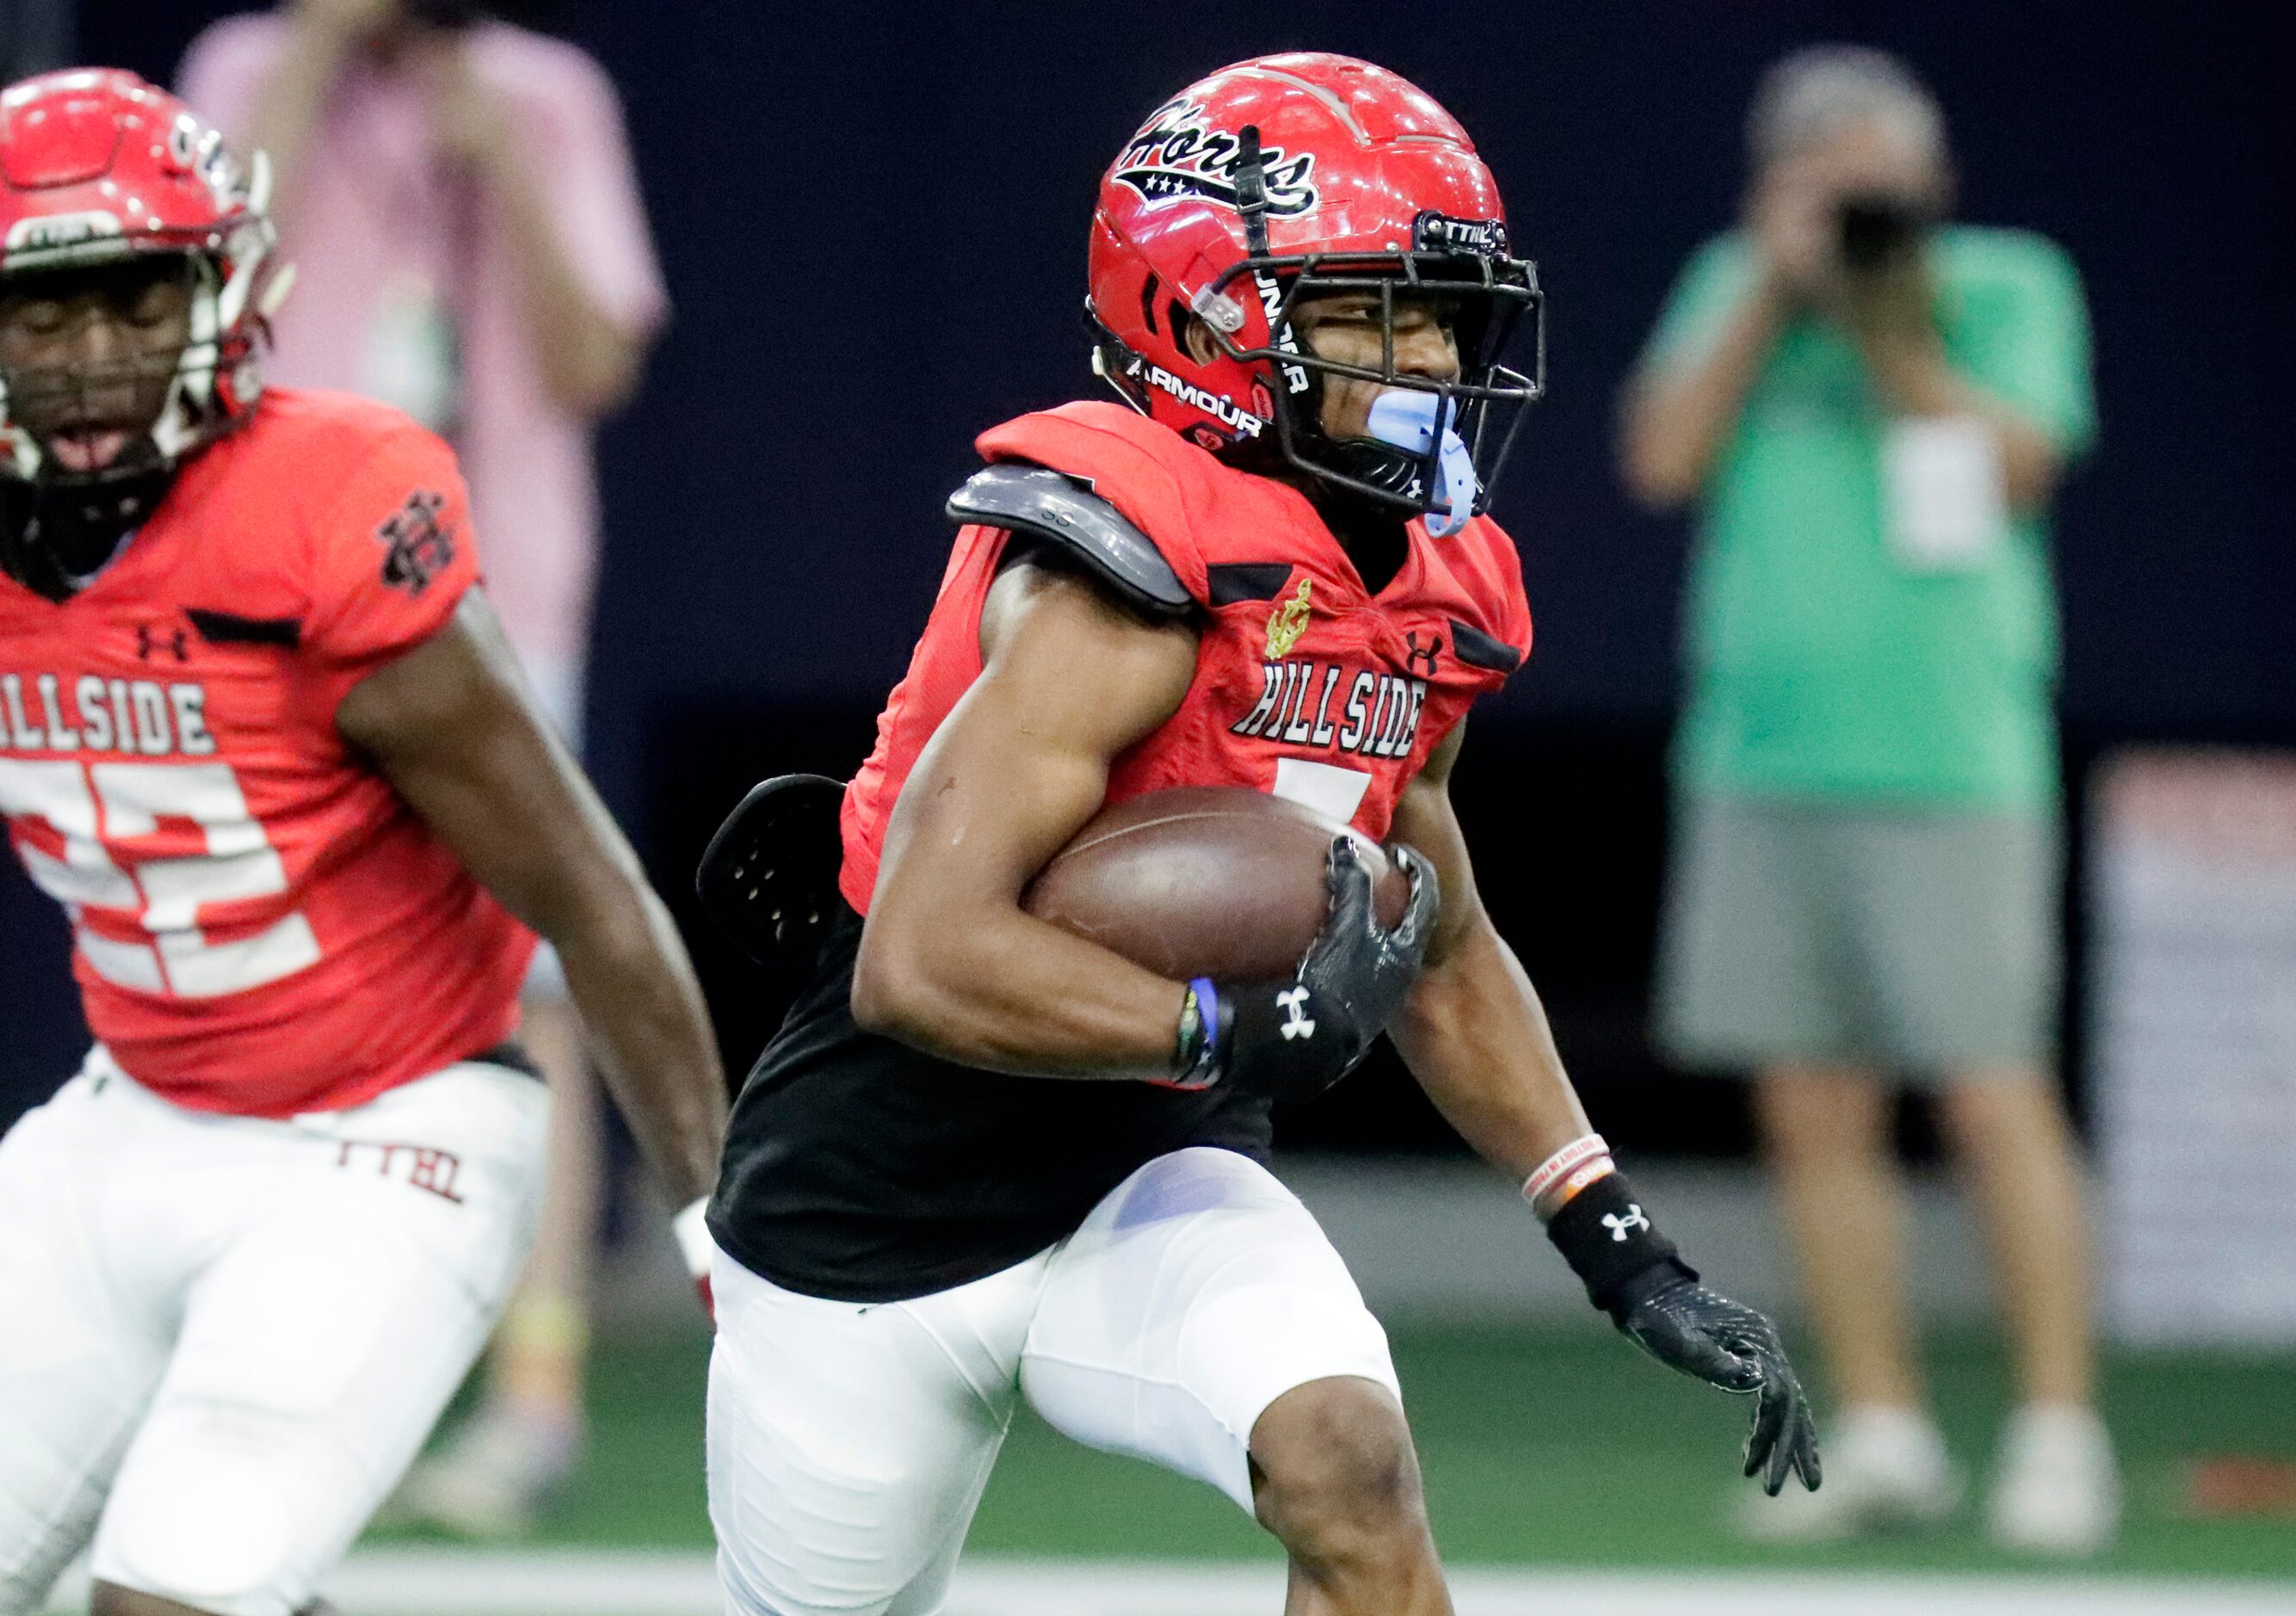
861	1169
1376	540
1378	552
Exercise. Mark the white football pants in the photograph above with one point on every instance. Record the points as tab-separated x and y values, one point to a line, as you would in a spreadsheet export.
222	1339
850	1442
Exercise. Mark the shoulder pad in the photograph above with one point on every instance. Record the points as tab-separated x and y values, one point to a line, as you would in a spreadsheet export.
1050	505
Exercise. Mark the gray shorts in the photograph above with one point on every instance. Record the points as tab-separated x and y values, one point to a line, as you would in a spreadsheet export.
1920	941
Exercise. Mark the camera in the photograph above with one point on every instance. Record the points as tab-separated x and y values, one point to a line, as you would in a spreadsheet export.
1876	230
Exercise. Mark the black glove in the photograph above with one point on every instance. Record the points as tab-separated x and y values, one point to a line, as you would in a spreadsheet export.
1294	1037
1687	1327
1634	1274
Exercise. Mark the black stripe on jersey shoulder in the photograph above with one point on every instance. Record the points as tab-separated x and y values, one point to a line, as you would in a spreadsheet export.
1476	649
1228	582
229	629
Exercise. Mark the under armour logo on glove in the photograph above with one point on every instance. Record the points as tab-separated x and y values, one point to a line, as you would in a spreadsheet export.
1619	1226
1296	1022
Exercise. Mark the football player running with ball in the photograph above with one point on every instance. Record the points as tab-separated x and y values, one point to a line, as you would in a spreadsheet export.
260	734
987	1159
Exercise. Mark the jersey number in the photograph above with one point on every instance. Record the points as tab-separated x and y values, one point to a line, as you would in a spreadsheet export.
164	896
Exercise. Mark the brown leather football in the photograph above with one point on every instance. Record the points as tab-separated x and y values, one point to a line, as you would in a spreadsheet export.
1204	881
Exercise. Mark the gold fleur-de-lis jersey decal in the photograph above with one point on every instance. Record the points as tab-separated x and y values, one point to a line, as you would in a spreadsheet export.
1289	622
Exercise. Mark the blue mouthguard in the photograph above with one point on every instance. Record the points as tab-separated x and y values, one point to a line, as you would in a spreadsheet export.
1408	421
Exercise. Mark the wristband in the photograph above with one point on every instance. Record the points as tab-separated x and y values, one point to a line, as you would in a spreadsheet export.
1564	1192
1569	1190
691	1229
1196	1055
1561	1167
1608	1240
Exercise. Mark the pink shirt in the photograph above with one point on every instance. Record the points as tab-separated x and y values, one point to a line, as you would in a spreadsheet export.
375	214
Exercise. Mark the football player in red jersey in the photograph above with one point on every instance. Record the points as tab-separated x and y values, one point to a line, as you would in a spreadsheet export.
986	1159
260	734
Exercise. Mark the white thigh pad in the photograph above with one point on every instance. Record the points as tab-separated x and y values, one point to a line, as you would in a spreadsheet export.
272	1437
78	1361
1197	1293
850	1442
318	1350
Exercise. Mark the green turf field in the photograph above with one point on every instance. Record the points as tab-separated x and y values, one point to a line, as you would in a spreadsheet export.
1556	1446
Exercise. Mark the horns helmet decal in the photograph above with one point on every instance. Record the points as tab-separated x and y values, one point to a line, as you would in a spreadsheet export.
1289	178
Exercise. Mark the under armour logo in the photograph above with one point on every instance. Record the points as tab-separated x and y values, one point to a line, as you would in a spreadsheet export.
1619	1226
149	640
1415	655
1296	1022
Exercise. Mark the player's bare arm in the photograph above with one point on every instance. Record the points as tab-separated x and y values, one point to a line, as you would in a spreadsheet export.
451	726
949	961
951	964
1472	1030
1476	1037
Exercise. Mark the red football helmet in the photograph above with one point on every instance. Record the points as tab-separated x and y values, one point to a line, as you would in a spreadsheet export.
97	166
1292	177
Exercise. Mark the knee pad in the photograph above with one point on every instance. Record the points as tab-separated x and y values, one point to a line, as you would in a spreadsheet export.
212	1512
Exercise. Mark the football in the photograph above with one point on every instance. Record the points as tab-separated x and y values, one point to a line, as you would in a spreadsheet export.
1204	881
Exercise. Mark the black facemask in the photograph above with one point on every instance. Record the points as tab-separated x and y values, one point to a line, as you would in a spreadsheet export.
57	532
59	527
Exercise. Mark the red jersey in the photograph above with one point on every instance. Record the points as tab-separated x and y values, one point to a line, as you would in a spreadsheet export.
263	926
1306	686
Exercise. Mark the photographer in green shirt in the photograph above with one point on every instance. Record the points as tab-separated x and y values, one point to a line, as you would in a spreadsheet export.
1869	409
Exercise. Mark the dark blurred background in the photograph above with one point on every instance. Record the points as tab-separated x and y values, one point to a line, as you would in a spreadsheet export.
872	220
